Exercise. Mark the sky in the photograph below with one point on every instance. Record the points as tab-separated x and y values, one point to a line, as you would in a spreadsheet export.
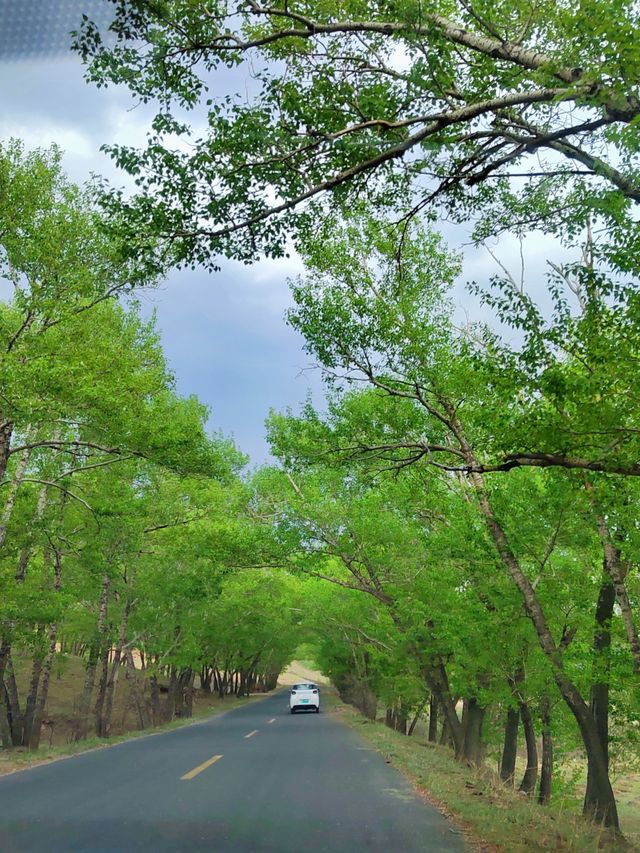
224	333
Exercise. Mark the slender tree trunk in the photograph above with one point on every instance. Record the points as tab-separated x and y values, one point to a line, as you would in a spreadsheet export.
401	718
13	700
84	704
438	682
602	808
32	699
114	671
546	774
5	707
617	571
6	431
138	693
38	716
205	678
510	747
13	490
33	741
600	679
155	700
222	685
5	727
25	554
417	716
172	693
528	784
188	692
433	719
102	692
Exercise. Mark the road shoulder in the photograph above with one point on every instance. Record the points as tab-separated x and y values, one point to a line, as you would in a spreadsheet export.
490	817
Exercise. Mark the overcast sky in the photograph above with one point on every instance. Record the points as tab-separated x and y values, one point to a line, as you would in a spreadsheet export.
223	333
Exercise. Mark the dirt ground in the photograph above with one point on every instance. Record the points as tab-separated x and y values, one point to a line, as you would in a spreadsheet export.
298	671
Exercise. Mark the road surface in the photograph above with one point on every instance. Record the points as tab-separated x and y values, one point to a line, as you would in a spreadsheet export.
254	780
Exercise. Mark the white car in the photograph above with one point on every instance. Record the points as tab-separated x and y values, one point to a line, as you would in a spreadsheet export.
304	696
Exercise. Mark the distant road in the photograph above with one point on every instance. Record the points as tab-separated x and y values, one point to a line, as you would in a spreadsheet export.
254	780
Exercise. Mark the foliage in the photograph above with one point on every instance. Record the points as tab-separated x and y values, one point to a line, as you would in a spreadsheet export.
510	115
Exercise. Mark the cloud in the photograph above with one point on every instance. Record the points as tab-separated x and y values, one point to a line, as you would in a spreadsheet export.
42	28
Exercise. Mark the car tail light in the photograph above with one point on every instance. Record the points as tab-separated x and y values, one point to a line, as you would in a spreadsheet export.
293	692
314	691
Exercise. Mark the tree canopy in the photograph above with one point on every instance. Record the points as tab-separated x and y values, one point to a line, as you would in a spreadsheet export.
519	116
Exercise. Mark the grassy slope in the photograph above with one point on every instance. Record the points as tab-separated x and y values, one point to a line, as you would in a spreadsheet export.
492	817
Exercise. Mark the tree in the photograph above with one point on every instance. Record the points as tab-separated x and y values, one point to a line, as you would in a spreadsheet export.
522	116
90	416
438	399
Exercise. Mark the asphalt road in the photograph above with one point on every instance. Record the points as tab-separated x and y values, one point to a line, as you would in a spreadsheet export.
255	779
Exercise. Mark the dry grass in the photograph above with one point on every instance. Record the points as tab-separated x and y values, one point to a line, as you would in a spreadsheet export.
301	671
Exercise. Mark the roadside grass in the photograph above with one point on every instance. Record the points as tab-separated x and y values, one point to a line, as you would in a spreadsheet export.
491	816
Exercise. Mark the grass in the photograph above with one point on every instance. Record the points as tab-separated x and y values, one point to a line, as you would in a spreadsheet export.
627	790
491	816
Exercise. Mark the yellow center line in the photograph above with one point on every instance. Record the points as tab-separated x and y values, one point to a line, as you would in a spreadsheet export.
273	720
201	767
251	734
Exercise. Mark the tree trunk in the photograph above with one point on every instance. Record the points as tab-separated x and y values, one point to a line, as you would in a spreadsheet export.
546	775
155	700
602	808
5	726
205	678
417	716
102	692
446	738
38	716
34	738
473	719
187	692
5	708
401	718
222	684
82	722
433	719
439	684
13	488
528	784
6	431
617	572
115	670
510	747
26	552
32	699
13	700
600	679
137	693
172	695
